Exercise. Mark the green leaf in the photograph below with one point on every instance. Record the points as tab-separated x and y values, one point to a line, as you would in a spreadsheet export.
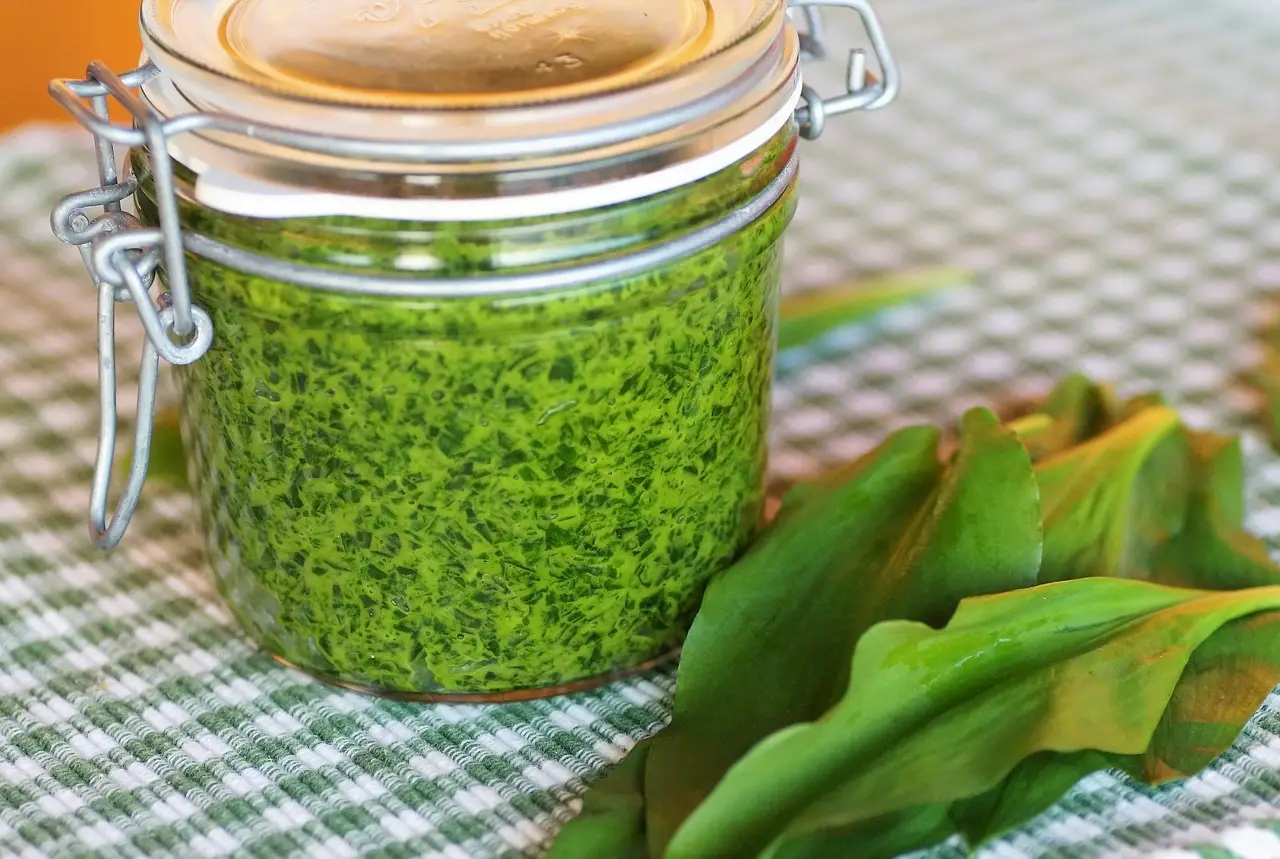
1226	680
898	536
786	611
612	820
1139	496
1134	405
890	835
1033	787
1213	550
1266	378
809	315
1064	667
1110	501
1076	411
1225	683
168	463
1228	676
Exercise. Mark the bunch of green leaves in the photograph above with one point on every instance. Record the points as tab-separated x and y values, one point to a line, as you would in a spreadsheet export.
920	647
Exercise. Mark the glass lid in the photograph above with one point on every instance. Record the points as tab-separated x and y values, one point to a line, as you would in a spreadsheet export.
443	54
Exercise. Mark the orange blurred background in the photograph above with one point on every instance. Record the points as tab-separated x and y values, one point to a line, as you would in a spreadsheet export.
43	39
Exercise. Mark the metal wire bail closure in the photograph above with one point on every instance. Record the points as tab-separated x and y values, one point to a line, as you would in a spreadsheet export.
122	259
122	256
863	91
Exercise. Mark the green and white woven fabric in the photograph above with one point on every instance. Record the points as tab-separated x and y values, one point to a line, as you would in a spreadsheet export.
1108	172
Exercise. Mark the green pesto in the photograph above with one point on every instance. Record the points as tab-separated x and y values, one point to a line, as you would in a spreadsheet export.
482	494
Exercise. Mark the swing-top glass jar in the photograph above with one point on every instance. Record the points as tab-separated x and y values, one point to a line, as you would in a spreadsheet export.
474	308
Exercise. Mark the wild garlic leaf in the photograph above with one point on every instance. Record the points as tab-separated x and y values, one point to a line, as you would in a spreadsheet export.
807	316
936	716
1033	787
1213	550
1226	680
612	820
1076	411
900	537
1111	500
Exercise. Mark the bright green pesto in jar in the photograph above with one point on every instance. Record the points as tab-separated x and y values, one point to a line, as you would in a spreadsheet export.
474	495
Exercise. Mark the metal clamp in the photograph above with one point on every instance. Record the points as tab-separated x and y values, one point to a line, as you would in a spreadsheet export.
863	91
122	258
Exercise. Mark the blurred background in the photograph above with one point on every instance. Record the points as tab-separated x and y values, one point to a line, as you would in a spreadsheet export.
43	39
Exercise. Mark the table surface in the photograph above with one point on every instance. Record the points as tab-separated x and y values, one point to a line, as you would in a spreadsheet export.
1107	172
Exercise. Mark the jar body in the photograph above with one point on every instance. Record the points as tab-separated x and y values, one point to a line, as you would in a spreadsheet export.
480	495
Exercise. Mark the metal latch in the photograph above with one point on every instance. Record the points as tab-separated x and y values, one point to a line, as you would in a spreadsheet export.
863	89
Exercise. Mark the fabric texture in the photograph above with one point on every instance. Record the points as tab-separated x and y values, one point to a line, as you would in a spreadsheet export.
1106	171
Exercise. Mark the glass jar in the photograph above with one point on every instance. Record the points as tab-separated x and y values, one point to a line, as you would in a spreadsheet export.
473	410
480	493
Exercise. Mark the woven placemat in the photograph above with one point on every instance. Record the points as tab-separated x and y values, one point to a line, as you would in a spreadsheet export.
1106	171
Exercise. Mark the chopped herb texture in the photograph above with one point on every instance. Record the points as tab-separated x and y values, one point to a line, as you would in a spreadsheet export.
484	494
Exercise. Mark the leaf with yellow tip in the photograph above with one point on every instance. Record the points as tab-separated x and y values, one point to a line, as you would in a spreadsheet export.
809	315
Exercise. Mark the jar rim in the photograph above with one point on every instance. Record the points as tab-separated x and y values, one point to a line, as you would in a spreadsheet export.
189	41
539	157
438	54
505	286
259	195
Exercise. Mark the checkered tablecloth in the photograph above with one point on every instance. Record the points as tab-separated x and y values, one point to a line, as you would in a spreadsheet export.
1107	171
